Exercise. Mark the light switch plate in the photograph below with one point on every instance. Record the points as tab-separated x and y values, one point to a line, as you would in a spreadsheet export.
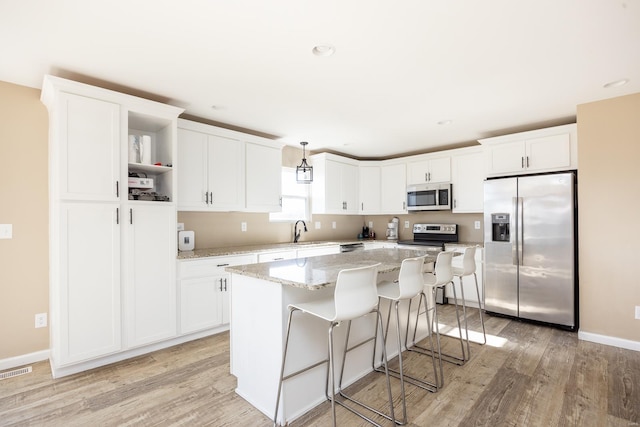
638	312
318	225
333	225
243	226
181	226
406	224
6	231
370	224
477	225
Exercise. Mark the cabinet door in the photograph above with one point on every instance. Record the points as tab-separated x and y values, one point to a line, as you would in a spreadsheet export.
199	303
334	202
192	170
263	178
226	173
440	169
88	156
505	158
393	189
369	183
549	152
349	188
418	172
468	182
149	288
86	283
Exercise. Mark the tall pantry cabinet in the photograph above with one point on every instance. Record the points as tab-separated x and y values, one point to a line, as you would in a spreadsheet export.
112	251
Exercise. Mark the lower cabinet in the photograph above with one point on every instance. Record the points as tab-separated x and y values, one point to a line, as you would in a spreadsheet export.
149	269
204	291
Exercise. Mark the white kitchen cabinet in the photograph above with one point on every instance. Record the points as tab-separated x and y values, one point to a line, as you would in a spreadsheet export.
276	256
468	282
94	320
224	170
317	251
210	172
393	188
85	295
263	177
205	290
468	173
429	169
335	185
149	271
88	154
544	150
370	188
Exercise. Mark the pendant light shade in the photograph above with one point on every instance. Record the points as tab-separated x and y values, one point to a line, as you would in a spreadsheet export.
304	172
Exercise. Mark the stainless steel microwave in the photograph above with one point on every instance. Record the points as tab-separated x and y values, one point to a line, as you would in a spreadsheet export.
429	197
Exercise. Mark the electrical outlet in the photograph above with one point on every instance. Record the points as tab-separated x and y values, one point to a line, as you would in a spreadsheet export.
370	224
243	226
318	225
638	312
181	226
333	225
406	224
41	320
6	231
476	225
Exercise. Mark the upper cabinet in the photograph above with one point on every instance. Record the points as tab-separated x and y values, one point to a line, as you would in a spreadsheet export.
369	183
544	150
467	179
335	184
429	168
393	188
224	170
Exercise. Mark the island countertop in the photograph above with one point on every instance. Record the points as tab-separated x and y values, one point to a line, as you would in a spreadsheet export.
321	271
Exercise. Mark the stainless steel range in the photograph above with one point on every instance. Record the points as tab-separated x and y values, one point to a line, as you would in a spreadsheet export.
433	236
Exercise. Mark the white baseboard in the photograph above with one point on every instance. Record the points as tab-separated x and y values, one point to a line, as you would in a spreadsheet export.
607	340
23	359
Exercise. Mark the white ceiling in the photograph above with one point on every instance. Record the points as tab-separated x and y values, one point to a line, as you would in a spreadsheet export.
400	67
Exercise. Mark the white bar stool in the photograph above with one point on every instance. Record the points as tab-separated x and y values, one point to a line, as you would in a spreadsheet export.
355	295
442	276
410	284
469	268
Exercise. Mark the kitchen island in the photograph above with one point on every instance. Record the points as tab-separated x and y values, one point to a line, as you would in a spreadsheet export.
260	294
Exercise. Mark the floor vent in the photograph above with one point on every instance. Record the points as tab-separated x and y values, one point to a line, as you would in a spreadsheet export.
14	373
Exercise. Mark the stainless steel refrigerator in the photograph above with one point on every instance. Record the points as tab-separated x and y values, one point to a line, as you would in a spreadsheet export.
530	248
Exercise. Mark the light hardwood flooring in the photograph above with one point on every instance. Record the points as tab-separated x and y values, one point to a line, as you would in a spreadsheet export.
527	375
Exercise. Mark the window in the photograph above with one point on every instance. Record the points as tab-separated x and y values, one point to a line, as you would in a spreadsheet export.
295	199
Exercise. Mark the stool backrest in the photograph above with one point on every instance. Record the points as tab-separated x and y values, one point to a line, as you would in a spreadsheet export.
410	277
356	292
469	261
443	270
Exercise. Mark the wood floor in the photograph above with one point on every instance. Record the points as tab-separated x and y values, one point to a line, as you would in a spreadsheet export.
527	375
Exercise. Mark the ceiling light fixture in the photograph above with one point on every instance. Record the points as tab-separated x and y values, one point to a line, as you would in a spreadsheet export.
445	122
323	50
616	83
304	172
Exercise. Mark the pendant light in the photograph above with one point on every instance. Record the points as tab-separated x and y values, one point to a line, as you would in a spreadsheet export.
304	172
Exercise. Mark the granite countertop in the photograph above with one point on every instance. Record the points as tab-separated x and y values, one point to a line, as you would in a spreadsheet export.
320	271
266	247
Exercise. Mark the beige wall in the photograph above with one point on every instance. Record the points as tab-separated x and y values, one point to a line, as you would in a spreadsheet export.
24	265
609	209
609	148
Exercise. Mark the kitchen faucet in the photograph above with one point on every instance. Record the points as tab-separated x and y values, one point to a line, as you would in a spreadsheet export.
296	233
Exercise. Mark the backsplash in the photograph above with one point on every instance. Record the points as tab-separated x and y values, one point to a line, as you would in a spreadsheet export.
223	229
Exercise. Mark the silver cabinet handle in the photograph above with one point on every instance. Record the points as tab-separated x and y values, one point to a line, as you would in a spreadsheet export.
206	197
130	216
117	188
225	285
222	265
527	161
211	197
220	285
522	162
429	176
426	176
404	205
118	216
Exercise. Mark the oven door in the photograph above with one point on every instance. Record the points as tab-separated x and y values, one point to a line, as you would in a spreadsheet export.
426	197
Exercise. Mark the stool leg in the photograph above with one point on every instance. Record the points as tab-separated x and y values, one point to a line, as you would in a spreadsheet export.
464	314
434	318
284	357
484	333
455	301
404	402
331	372
437	384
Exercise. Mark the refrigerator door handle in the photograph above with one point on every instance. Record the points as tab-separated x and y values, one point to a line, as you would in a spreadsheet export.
513	223
520	231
